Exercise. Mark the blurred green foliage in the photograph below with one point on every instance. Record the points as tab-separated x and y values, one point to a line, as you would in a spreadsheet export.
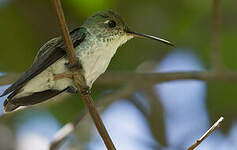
88	6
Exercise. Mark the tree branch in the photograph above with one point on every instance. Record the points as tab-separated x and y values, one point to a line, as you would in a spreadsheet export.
205	135
143	79
79	79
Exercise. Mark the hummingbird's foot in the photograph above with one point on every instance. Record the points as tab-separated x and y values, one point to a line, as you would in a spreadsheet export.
72	90
85	90
70	67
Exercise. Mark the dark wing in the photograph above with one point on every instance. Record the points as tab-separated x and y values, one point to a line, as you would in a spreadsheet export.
47	55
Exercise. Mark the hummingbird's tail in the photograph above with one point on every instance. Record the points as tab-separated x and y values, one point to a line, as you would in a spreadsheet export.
12	103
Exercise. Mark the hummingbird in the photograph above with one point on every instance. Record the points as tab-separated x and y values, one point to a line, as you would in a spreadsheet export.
95	43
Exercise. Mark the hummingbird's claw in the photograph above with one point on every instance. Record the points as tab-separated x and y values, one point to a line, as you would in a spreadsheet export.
70	67
85	90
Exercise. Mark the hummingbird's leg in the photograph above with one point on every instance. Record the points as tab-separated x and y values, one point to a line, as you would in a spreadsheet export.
85	89
72	90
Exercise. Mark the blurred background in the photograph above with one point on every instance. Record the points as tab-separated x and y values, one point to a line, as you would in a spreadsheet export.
166	116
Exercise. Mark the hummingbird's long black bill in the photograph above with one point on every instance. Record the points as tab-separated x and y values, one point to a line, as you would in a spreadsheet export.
140	35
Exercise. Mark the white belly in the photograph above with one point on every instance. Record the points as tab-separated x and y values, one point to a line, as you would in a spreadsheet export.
94	63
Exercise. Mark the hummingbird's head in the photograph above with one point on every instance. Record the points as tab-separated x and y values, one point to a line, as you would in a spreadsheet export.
109	26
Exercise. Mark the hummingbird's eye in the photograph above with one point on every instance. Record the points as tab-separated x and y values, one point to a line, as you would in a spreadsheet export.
111	24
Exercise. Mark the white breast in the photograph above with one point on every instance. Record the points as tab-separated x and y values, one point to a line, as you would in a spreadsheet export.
96	58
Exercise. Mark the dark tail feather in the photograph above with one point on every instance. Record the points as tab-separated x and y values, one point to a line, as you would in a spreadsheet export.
12	103
8	107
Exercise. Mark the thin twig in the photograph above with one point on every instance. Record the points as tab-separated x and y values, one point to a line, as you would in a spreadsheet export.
79	79
216	53
199	141
65	131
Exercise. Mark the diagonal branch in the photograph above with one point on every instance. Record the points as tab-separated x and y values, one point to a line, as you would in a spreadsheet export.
65	131
199	141
79	79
